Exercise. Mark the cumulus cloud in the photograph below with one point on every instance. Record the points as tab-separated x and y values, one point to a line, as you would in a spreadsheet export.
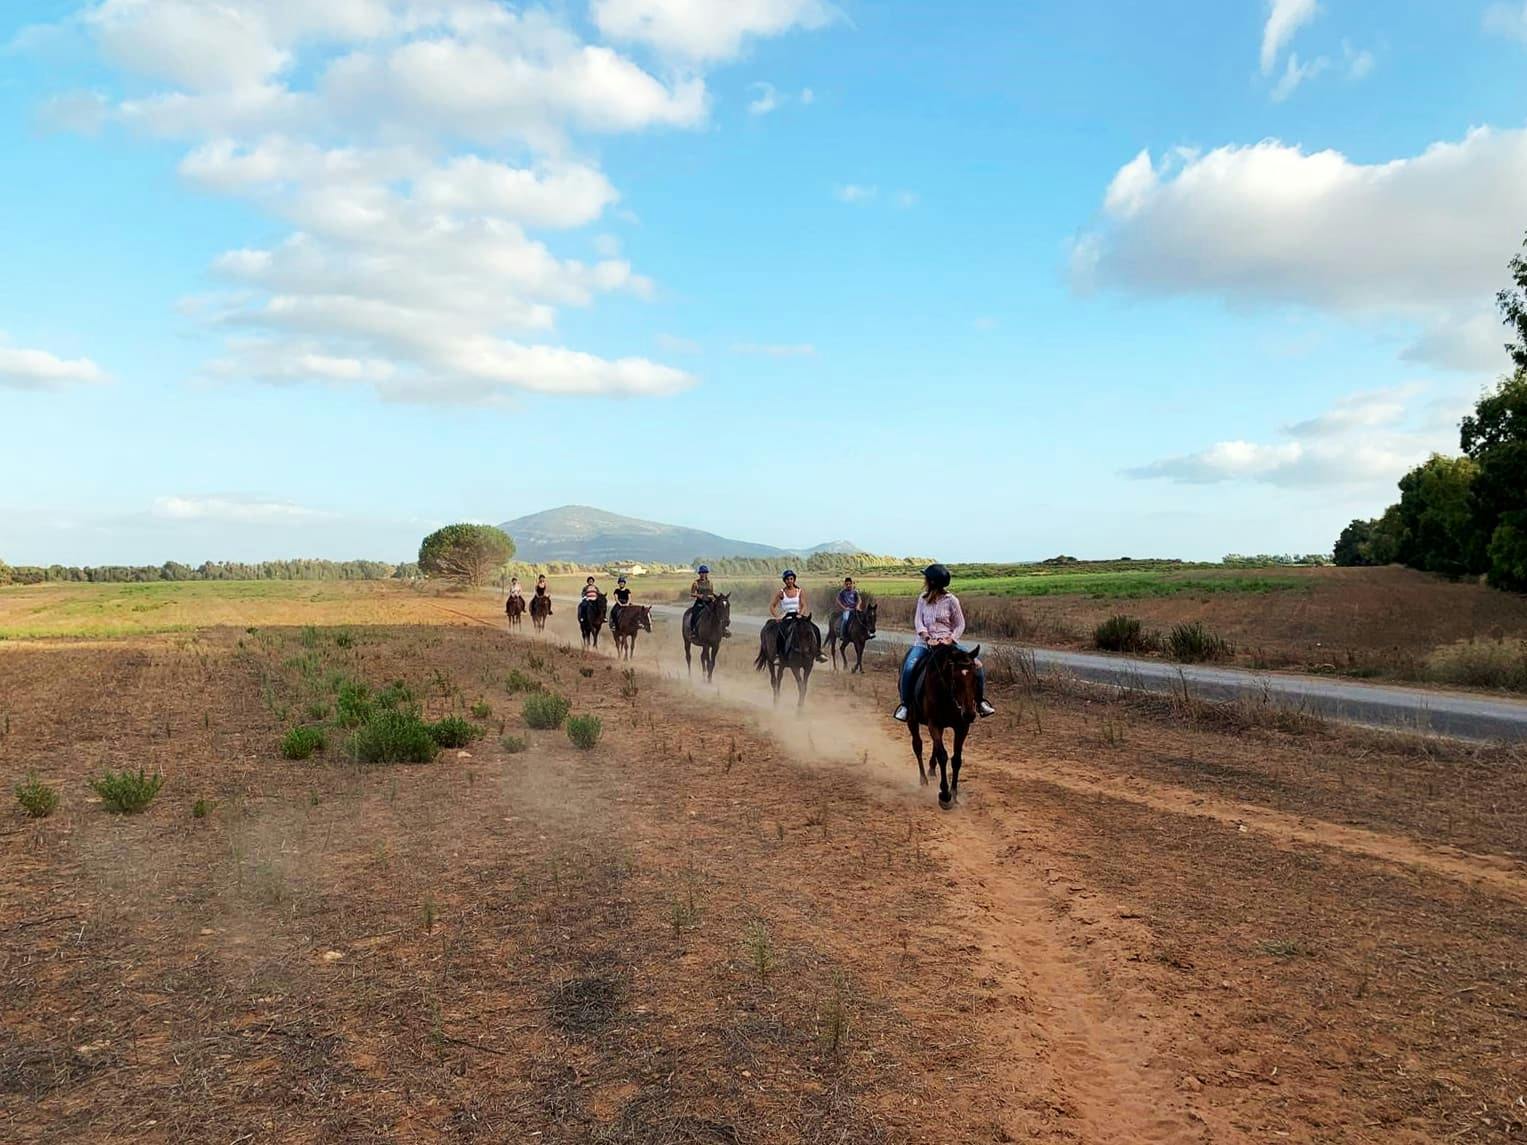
1422	238
1509	20
23	369
704	30
414	148
1365	439
235	510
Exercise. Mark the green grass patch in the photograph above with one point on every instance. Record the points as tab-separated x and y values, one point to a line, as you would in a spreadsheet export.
585	731
545	711
37	799
302	742
393	737
453	731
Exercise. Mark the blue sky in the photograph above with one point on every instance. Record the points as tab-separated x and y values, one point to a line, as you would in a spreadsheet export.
979	280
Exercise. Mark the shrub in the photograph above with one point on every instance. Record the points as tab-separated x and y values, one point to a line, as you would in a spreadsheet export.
353	706
1196	643
453	731
36	797
514	744
201	808
318	710
1480	663
127	792
393	737
544	711
584	731
344	638
517	682
302	742
396	696
481	710
1123	634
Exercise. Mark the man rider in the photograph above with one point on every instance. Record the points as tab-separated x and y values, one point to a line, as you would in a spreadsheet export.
703	593
848	603
622	596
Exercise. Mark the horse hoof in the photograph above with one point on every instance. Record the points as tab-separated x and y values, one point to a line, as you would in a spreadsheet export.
945	803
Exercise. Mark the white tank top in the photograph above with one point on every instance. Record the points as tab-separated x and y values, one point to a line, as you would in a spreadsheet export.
790	605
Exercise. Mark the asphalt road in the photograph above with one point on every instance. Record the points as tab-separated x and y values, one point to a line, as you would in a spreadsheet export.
1460	715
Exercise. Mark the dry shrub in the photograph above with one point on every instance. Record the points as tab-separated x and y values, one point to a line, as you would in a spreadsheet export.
1481	663
1196	643
1124	634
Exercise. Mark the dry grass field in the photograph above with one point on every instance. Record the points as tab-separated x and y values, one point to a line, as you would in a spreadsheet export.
1145	922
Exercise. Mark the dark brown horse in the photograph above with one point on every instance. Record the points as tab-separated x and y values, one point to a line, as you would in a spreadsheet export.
944	697
861	630
780	649
709	630
626	623
514	608
540	609
591	614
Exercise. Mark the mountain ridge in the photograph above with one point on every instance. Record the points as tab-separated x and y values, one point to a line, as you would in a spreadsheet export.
587	534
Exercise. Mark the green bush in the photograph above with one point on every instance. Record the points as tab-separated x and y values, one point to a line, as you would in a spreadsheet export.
396	697
1123	634
1481	664
393	737
545	710
302	742
514	744
1196	643
481	710
584	731
518	681
201	808
353	706
128	792
453	731
36	797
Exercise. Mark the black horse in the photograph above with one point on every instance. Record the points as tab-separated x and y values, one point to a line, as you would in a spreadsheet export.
793	645
861	630
514	608
710	625
944	696
626	623
540	609
591	614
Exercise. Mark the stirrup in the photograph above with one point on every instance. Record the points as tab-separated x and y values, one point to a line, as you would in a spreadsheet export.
900	713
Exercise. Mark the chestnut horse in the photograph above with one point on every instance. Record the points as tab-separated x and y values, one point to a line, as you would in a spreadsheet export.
631	619
800	658
944	697
540	609
861	630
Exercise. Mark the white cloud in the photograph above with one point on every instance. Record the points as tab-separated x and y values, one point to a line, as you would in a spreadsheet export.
235	510
1365	439
673	344
1423	238
23	369
985	323
1509	20
906	199
1284	19
412	146
1295	73
1360	63
807	97
854	193
701	30
765	99
771	350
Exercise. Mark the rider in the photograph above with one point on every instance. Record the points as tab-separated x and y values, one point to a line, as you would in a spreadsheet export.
789	608
940	620
541	590
622	596
590	595
849	602
703	593
515	593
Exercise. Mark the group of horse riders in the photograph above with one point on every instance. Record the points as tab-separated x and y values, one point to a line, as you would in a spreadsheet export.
939	621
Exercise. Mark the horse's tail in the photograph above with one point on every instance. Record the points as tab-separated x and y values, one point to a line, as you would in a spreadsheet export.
763	658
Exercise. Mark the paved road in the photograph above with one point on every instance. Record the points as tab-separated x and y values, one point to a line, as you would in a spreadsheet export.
1457	714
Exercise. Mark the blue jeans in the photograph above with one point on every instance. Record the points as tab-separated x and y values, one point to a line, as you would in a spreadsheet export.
915	656
847	612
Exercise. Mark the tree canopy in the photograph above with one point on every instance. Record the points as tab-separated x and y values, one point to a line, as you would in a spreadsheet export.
467	554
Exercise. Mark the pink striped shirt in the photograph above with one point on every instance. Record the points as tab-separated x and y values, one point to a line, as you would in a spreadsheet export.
941	622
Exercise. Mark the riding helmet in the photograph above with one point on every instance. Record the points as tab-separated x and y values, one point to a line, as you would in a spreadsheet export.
704	569
937	575
787	574
621	580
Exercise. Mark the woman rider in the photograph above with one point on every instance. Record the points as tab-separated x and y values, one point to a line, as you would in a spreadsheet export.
789	608
622	596
940	620
541	591
590	595
702	592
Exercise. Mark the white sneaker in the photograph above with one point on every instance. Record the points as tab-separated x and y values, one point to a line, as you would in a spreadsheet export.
900	713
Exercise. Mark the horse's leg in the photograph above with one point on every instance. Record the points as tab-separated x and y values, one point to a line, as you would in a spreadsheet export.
802	681
961	730
941	757
917	748
688	664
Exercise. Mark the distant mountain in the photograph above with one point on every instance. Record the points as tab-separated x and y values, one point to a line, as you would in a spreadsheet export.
592	536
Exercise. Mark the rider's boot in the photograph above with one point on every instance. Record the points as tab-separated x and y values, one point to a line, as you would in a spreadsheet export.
984	709
900	713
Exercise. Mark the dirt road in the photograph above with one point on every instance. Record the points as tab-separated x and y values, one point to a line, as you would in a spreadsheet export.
735	923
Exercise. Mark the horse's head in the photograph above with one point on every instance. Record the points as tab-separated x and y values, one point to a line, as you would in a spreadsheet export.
956	669
644	617
724	606
870	609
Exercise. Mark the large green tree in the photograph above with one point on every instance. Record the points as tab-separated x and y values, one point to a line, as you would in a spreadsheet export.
1438	526
1513	307
467	554
1495	438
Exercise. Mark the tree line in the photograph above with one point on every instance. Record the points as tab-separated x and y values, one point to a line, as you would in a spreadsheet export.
301	569
1465	515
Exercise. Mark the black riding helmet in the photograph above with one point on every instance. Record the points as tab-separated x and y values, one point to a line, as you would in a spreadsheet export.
937	575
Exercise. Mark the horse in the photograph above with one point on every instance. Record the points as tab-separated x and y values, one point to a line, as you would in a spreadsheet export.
514	608
799	659
944	696
591	614
861	629
626	623
540	609
710	629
